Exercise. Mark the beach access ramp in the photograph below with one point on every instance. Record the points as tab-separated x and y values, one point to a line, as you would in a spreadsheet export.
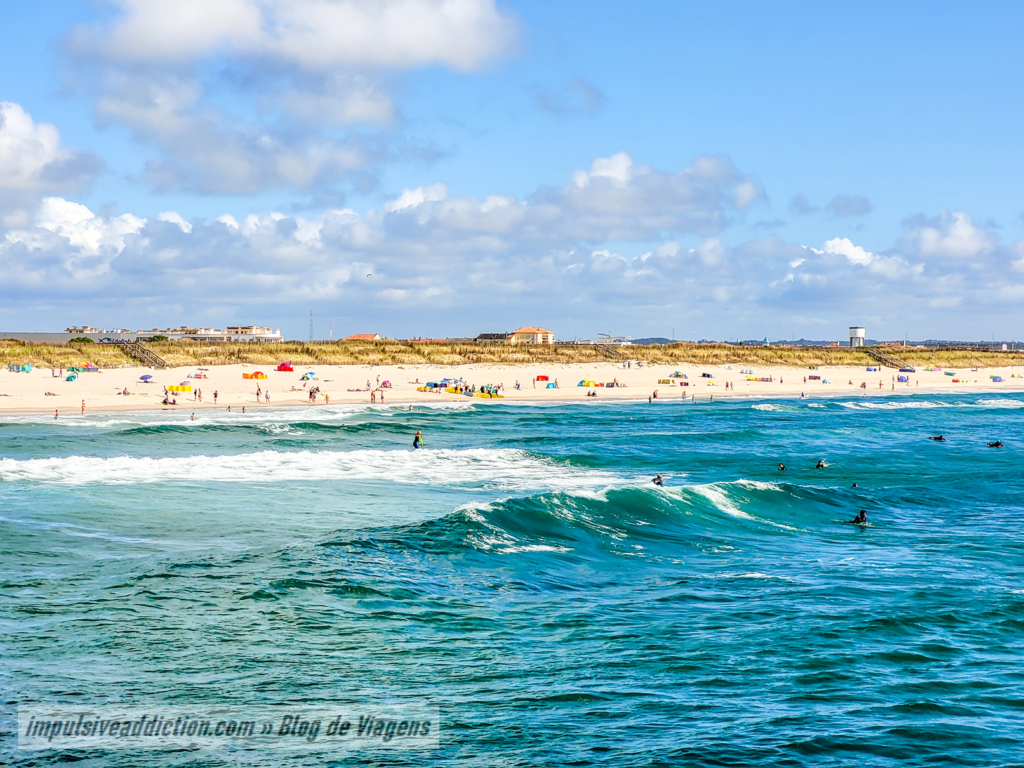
884	357
147	356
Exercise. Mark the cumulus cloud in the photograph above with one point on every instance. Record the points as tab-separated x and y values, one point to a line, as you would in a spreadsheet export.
578	98
951	234
849	205
315	35
427	245
32	158
618	240
307	78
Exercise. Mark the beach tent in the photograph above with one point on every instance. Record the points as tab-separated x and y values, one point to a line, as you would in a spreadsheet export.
186	383
586	383
308	376
285	367
72	377
902	379
907	370
542	378
552	385
385	384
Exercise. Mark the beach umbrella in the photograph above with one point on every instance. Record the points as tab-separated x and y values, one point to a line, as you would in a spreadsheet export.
147	377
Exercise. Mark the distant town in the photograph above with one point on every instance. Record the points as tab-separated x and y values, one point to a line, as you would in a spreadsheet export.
528	335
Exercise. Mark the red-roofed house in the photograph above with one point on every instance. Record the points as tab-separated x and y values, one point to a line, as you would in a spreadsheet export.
363	337
532	336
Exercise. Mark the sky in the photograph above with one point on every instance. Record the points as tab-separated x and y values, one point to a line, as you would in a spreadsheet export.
432	168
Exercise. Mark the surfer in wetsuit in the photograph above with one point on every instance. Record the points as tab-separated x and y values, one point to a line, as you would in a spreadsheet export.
417	442
658	481
820	464
782	467
938	439
996	444
860	519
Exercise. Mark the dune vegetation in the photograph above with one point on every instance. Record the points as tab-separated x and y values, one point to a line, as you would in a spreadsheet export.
387	352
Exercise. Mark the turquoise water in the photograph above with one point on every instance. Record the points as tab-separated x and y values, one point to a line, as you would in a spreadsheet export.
522	574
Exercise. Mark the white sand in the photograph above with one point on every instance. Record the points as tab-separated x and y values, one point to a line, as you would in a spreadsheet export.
25	391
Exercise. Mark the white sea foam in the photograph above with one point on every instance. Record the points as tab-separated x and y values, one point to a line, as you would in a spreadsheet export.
717	496
488	468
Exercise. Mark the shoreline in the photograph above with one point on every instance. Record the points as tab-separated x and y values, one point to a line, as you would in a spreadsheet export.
26	390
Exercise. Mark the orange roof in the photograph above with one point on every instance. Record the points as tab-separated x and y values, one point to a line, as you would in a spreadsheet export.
362	337
532	330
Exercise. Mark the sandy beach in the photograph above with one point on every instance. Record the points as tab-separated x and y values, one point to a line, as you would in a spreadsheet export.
27	392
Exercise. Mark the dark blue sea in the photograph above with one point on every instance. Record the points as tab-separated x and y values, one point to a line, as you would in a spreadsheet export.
522	574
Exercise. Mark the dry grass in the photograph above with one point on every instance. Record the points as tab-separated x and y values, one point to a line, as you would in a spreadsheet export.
186	353
62	355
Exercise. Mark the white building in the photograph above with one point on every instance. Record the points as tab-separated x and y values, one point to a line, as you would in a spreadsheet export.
857	336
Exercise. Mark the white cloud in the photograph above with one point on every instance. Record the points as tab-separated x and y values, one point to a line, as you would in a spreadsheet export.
32	158
599	251
618	167
843	246
293	71
316	35
174	217
746	194
410	198
951	235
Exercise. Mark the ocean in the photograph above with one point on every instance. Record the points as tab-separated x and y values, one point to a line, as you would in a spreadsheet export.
523	575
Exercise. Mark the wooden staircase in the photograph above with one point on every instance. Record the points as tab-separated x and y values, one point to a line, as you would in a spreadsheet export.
147	356
884	358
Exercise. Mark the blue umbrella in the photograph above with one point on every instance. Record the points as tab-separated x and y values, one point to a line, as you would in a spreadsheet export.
147	377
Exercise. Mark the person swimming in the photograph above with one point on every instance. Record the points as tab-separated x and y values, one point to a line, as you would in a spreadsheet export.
782	467
417	442
855	486
820	464
996	444
938	439
860	519
659	481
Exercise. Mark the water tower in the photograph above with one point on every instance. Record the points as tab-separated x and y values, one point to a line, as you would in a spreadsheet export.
857	336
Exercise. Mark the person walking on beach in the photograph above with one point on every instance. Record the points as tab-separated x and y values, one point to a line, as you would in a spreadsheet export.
373	396
56	413
417	441
215	397
259	392
266	397
83	407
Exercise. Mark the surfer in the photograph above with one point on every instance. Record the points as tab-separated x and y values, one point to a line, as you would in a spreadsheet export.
820	464
860	519
996	444
658	481
938	439
855	485
417	442
782	467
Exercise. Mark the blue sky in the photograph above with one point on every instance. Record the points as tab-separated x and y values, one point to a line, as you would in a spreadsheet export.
724	169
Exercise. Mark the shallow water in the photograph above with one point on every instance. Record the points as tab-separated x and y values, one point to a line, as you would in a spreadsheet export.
522	574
